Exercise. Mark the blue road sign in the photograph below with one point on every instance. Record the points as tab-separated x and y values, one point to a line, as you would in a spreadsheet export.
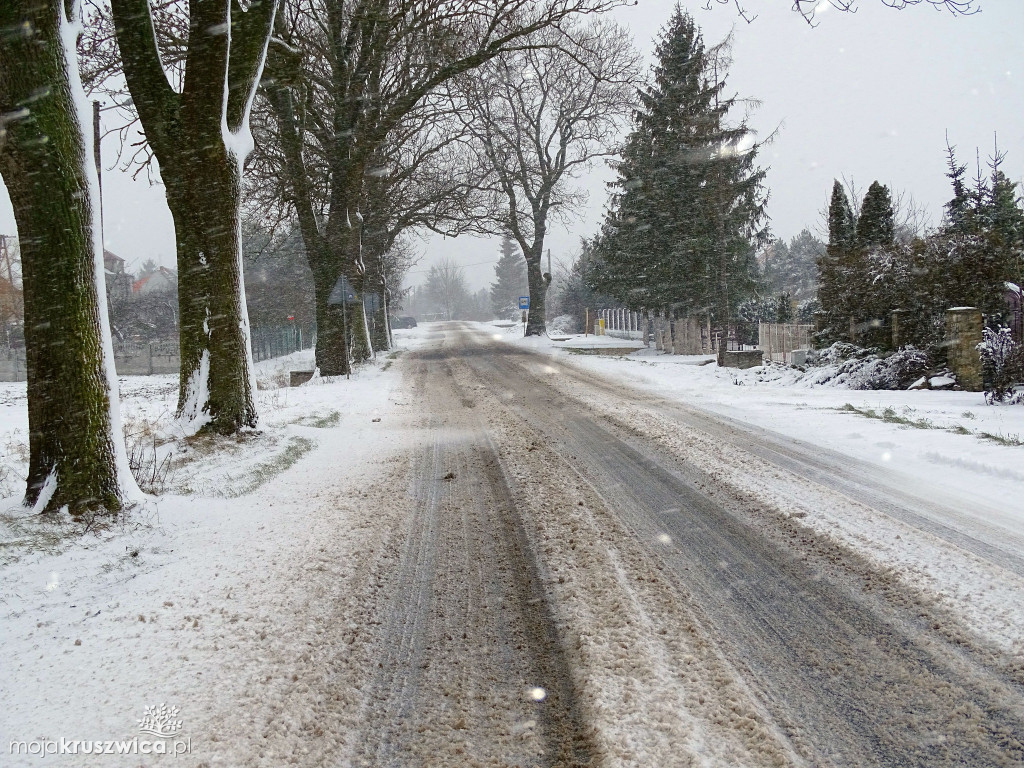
524	302
342	293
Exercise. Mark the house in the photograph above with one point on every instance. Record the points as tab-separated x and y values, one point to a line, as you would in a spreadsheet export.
163	280
119	282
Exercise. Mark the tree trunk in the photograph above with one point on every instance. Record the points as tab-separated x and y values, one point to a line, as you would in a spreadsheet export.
203	193
200	138
331	356
538	282
343	252
72	401
380	336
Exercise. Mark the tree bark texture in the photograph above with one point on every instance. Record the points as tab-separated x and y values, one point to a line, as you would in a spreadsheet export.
199	137
43	160
538	282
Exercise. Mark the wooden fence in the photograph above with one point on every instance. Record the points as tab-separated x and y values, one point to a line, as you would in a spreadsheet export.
777	340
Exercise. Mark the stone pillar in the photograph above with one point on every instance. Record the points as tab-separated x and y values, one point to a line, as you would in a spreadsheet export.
963	335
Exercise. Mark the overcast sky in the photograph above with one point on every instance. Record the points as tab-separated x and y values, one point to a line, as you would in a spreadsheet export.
869	95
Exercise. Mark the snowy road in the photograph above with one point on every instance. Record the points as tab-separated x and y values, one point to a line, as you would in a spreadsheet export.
568	535
472	671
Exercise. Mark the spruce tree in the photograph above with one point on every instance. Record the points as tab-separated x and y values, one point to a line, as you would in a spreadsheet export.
801	270
688	208
510	284
869	282
1006	224
958	208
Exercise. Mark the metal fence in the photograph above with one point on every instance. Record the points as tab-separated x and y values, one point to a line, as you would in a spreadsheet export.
280	341
777	340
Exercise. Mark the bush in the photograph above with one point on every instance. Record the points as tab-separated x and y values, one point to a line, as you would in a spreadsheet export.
848	365
1003	361
563	324
900	369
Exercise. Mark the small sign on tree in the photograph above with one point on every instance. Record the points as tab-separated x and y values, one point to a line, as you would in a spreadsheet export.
343	292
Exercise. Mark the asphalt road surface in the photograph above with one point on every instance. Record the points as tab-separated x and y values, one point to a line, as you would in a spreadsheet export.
572	591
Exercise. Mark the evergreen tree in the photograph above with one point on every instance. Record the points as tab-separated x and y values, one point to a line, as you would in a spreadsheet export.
981	242
688	210
1006	224
876	226
510	284
573	295
793	268
871	282
832	266
958	208
842	226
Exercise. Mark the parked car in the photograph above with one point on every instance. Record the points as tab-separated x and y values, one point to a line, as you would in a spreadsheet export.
403	322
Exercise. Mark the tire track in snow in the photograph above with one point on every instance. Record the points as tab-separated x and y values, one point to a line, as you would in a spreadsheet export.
859	686
866	483
471	671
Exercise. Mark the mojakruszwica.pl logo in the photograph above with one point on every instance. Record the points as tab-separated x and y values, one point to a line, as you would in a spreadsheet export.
160	726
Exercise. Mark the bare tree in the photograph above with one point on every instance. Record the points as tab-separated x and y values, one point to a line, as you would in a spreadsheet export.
76	457
446	288
374	63
418	178
539	116
809	8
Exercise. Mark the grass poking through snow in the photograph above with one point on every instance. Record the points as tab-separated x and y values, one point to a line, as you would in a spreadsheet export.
890	416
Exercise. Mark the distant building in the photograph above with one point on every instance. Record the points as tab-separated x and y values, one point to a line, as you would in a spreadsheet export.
162	281
119	282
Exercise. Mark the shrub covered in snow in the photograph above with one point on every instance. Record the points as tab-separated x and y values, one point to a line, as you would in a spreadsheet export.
1003	359
847	365
563	324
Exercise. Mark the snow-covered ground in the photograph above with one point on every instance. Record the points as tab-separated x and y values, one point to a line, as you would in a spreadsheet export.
252	574
942	439
222	597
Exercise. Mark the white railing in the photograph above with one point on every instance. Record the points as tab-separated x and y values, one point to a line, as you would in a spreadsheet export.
623	323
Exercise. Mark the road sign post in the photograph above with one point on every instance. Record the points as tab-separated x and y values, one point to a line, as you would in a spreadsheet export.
344	294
